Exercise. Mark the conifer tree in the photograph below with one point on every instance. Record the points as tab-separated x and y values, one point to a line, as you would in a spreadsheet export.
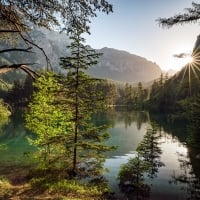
150	150
194	127
190	15
87	144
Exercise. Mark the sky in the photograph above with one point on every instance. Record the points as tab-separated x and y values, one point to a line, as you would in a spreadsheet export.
133	27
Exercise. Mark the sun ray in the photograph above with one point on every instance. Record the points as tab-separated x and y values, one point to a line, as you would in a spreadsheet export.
194	71
179	88
189	78
192	68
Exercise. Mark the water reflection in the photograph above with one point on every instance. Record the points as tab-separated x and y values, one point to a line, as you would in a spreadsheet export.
140	134
146	162
13	138
185	178
128	130
140	140
151	151
131	177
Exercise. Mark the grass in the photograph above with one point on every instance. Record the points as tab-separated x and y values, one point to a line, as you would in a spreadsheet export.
16	184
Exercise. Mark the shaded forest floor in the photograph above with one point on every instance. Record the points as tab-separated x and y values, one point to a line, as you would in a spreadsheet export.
14	185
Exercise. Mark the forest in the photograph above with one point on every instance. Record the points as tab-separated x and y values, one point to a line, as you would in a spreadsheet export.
59	108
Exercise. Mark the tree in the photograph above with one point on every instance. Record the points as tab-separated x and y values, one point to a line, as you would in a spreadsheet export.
18	17
194	128
84	101
46	118
150	151
190	15
129	95
21	92
131	176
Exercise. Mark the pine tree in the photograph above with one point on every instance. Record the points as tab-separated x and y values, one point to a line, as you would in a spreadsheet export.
194	127
149	149
87	143
190	15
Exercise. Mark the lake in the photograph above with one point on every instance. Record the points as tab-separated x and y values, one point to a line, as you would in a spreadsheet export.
175	169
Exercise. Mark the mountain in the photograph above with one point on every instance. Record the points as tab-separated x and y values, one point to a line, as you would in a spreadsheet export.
114	64
123	66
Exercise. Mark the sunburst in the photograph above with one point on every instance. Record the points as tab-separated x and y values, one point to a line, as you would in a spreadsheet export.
193	66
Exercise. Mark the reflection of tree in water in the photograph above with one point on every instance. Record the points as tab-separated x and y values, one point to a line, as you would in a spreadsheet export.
131	177
150	150
147	161
135	116
186	178
14	128
117	115
4	115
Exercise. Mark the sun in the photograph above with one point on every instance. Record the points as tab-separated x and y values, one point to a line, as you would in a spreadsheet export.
192	68
188	59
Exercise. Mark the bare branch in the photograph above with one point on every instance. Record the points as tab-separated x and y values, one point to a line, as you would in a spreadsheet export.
41	49
22	66
17	49
27	41
9	31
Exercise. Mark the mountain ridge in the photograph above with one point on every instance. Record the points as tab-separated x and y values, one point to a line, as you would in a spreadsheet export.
118	65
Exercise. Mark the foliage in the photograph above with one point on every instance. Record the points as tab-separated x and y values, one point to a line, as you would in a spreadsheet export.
194	128
4	111
131	177
84	101
190	15
176	93
187	177
133	170
150	151
17	18
4	114
55	181
132	97
49	122
19	15
4	188
20	94
146	162
68	187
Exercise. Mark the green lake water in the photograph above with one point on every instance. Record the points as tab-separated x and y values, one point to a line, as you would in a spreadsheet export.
177	178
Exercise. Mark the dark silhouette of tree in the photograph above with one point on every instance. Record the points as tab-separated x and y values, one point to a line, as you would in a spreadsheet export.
187	178
131	176
194	128
190	15
151	152
20	94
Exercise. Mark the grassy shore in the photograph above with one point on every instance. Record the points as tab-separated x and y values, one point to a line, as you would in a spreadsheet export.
16	184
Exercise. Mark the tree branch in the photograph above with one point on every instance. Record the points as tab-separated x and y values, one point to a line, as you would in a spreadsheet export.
27	41
17	49
22	66
9	31
191	15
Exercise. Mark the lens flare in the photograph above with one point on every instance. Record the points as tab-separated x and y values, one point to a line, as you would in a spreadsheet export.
192	67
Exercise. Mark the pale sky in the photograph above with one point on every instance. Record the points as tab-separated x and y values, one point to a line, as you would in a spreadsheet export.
132	27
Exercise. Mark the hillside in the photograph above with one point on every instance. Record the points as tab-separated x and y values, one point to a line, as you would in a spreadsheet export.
178	92
123	66
114	64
